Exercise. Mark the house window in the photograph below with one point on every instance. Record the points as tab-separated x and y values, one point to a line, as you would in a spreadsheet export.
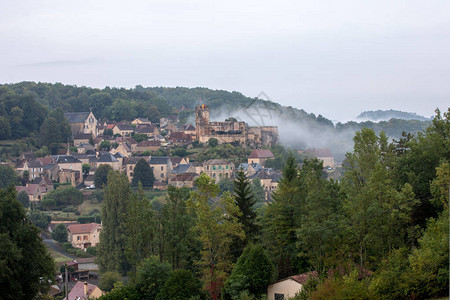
227	167
162	175
131	174
131	168
279	296
214	175
85	237
207	168
162	168
78	238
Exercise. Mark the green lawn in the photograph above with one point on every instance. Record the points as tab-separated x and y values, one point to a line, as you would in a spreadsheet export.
87	206
58	257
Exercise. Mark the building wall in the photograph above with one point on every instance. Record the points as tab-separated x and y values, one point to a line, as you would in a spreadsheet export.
218	171
78	240
161	172
286	287
116	166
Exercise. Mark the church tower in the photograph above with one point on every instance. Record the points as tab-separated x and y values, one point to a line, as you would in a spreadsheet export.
201	120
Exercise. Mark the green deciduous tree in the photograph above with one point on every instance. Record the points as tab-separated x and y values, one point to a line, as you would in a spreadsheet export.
217	224
39	219
101	175
108	279
253	272
113	239
24	199
181	285
150	277
144	174
27	267
60	234
7	176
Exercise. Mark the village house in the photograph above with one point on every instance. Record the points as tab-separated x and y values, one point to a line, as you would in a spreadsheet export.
69	168
179	138
124	149
181	169
161	166
269	179
217	168
148	146
82	122
139	121
183	180
34	168
250	169
83	236
198	167
147	129
109	159
260	156
81	138
51	171
34	191
189	129
85	148
323	154
179	161
288	287
123	129
84	291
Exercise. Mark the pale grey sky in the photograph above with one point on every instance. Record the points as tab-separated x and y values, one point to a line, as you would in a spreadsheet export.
335	58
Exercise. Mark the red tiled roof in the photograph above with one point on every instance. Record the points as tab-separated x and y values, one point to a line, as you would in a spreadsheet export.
82	228
78	291
258	153
185	177
302	278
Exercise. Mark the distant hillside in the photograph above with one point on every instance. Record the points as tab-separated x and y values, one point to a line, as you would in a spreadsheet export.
385	115
297	128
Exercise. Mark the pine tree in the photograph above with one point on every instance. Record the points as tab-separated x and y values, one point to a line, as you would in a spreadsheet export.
245	201
144	174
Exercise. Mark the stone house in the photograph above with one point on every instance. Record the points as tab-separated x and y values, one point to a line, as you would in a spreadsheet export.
109	159
161	166
216	168
123	129
82	122
138	121
148	146
260	156
183	180
147	129
83	236
81	138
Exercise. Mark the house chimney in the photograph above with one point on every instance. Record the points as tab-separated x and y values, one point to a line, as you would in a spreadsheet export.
85	288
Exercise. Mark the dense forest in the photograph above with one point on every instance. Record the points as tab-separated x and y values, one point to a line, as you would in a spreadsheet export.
380	233
25	106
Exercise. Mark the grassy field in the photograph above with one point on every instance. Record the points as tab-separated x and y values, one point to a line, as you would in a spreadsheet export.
58	257
87	206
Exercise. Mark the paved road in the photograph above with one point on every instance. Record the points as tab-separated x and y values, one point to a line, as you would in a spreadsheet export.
54	245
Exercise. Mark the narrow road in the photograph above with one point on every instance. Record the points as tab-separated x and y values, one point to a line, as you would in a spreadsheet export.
55	246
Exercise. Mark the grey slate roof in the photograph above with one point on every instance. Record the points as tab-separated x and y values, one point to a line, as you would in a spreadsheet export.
181	168
107	157
66	159
159	160
76	117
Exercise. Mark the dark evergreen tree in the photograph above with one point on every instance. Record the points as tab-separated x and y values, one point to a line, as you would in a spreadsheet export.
7	176
27	268
245	201
101	175
24	199
144	174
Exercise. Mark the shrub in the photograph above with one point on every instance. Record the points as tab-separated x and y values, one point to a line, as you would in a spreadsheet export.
107	280
66	246
92	251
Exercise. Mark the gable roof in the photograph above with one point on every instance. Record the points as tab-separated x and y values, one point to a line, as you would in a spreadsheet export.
127	127
159	160
176	160
185	177
181	168
77	291
259	153
144	128
82	136
76	117
107	157
34	164
189	127
65	159
82	228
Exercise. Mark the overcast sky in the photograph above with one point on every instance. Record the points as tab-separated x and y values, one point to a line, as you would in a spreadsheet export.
335	58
